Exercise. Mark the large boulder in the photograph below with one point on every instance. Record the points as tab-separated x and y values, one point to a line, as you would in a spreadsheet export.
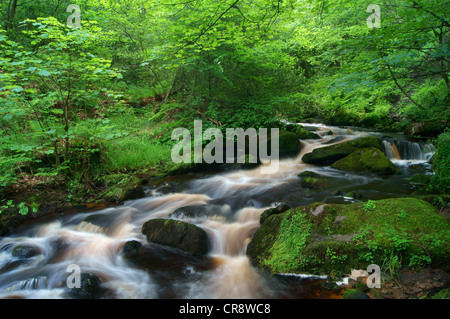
340	237
177	234
289	145
328	155
367	160
301	132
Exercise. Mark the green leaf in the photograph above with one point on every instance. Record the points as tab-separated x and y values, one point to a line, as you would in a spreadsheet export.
56	111
23	211
17	89
44	73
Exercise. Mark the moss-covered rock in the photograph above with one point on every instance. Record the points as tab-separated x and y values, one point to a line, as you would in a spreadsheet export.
355	294
289	145
342	237
419	179
177	234
120	188
305	174
272	211
330	154
443	294
427	129
440	182
316	183
301	132
367	160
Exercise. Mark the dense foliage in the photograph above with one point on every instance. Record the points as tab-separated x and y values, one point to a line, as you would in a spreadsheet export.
76	102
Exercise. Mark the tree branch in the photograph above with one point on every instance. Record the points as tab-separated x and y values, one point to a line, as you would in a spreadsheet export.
401	88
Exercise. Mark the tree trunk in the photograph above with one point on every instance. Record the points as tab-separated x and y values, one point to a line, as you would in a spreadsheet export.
10	14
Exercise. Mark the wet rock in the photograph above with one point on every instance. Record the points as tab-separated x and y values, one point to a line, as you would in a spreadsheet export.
131	248
177	234
308	174
289	145
335	140
90	287
355	294
328	155
207	210
24	251
316	183
301	132
272	211
354	194
367	160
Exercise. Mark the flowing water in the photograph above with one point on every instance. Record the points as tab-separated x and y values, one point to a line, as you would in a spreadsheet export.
93	239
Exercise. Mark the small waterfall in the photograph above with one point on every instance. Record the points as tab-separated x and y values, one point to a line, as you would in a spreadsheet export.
397	149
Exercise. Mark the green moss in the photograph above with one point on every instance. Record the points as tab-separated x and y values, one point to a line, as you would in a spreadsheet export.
443	294
315	182
301	132
330	154
354	294
343	237
308	174
419	179
440	182
289	145
119	188
293	233
367	160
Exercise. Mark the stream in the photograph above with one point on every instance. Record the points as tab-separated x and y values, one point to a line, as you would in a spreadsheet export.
93	239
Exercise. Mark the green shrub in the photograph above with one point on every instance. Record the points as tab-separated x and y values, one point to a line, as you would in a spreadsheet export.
440	182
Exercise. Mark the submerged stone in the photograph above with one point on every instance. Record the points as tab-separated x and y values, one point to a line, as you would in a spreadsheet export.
25	251
90	287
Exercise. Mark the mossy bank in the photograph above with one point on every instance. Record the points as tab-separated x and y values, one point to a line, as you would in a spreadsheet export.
332	239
